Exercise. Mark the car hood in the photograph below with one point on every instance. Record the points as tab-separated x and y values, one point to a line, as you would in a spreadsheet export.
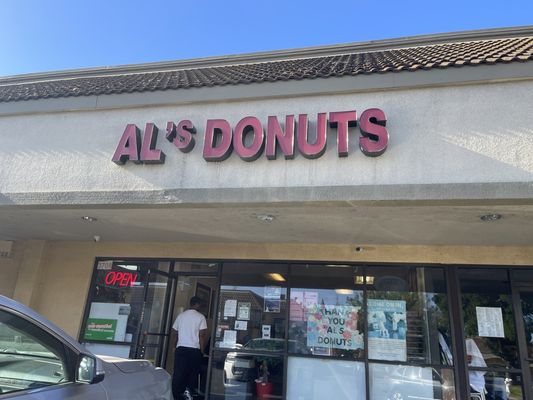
126	365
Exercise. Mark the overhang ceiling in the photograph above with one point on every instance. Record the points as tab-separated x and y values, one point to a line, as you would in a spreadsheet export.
337	223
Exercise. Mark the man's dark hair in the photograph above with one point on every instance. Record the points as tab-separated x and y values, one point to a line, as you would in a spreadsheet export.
195	300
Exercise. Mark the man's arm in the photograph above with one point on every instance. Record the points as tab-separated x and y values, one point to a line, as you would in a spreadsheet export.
173	338
202	335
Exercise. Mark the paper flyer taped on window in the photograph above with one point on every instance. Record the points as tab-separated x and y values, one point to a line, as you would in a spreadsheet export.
490	322
272	299
243	311
241	325
230	308
230	338
334	327
266	331
387	330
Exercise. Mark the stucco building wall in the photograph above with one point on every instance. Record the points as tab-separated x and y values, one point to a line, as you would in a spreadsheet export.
457	134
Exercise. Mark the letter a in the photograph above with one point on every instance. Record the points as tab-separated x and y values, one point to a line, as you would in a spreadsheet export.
129	146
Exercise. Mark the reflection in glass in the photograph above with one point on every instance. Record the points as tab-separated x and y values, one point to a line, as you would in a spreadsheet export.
502	386
252	307
408	316
29	357
526	301
326	322
389	381
124	292
318	379
488	316
153	318
237	375
193	266
325	315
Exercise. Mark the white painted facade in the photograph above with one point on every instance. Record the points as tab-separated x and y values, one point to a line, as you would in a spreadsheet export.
479	133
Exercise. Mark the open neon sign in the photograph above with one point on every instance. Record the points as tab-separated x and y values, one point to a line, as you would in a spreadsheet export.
122	279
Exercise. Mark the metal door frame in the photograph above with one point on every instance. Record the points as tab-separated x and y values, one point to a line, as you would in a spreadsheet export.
141	337
525	360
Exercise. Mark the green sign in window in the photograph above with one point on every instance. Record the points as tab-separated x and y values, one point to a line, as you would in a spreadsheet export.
100	329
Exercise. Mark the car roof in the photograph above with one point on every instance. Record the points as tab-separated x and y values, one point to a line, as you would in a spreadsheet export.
6	302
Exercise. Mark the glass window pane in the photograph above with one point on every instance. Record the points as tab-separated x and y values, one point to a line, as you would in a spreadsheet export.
496	385
193	266
389	381
252	307
318	379
325	314
408	316
236	375
117	303
488	318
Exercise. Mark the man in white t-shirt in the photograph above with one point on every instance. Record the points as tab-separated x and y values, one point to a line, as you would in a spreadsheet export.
190	328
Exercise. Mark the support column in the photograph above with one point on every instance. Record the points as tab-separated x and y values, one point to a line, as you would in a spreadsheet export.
31	263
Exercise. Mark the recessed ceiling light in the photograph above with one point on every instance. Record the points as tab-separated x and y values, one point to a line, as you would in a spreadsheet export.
276	277
344	291
89	219
490	217
265	217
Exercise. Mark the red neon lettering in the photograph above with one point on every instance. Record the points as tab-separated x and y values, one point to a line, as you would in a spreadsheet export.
121	279
109	278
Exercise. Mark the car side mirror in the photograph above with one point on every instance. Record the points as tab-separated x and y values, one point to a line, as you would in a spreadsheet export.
89	369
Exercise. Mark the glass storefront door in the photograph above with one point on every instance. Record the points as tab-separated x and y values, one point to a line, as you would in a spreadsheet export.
490	339
127	309
204	286
153	335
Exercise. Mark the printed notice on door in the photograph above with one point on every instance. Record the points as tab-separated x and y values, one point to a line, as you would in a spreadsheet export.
230	308
490	322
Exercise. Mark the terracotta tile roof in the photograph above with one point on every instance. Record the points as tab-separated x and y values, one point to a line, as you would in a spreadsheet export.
446	55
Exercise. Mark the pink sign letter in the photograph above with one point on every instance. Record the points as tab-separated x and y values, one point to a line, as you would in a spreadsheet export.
375	136
129	146
276	136
342	120
214	149
318	148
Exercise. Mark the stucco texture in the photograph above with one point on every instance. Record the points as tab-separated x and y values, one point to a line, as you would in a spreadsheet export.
456	134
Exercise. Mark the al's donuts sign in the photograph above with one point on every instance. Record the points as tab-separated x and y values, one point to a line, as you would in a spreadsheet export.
250	138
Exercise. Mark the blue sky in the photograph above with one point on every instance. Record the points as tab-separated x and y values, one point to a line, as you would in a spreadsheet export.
50	35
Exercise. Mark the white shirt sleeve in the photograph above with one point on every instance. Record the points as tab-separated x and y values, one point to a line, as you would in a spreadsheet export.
175	325
203	323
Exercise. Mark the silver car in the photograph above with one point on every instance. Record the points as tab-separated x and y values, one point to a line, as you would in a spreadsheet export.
40	361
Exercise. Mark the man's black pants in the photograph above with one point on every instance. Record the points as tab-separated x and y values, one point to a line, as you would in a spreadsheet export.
187	361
